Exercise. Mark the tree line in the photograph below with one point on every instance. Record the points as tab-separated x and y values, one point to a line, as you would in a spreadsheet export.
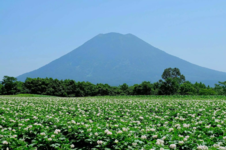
172	83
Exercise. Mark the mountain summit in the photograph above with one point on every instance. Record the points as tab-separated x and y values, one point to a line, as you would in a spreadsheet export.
115	59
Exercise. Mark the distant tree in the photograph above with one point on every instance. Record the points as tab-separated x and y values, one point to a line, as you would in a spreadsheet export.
145	88
62	89
130	90
187	88
80	89
85	89
220	88
199	86
50	87
124	88
90	89
172	78
156	87
103	89
137	90
173	73
70	87
37	85
207	92
57	88
115	90
20	87
1	88
29	85
9	84
169	87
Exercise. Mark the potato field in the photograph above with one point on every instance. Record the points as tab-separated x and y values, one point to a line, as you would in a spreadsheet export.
116	123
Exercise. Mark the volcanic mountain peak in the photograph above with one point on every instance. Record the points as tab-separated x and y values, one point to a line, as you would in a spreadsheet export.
116	58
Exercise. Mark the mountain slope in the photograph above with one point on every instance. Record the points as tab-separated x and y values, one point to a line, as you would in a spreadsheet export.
115	59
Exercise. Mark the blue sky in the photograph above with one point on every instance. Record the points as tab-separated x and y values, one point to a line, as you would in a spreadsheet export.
34	33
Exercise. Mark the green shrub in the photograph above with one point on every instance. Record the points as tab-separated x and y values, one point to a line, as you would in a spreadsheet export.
207	92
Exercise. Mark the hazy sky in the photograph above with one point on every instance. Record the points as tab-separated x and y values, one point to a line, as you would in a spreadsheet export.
35	32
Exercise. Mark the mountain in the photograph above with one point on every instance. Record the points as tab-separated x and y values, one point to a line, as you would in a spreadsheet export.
115	59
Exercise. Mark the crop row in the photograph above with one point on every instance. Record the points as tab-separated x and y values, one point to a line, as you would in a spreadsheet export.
111	123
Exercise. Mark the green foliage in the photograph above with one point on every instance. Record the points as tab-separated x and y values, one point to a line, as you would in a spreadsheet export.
172	80
173	83
169	87
207	92
109	123
187	88
27	95
145	88
220	88
124	88
1	88
103	89
173	73
199	86
10	85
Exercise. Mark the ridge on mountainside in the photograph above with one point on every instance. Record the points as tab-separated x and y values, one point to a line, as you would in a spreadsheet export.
115	59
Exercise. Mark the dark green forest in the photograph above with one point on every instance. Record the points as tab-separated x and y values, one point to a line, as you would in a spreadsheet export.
172	83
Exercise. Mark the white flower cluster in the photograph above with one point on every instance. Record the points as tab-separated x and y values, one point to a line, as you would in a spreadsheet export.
202	147
56	131
5	142
186	125
130	119
160	142
119	132
99	142
172	146
125	129
143	137
72	145
108	132
170	129
36	124
43	133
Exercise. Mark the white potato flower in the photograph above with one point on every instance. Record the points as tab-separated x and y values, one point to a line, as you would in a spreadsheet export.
119	132
5	142
143	137
116	141
72	145
134	144
152	129
181	142
159	142
42	133
99	142
56	131
172	146
202	147
141	118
